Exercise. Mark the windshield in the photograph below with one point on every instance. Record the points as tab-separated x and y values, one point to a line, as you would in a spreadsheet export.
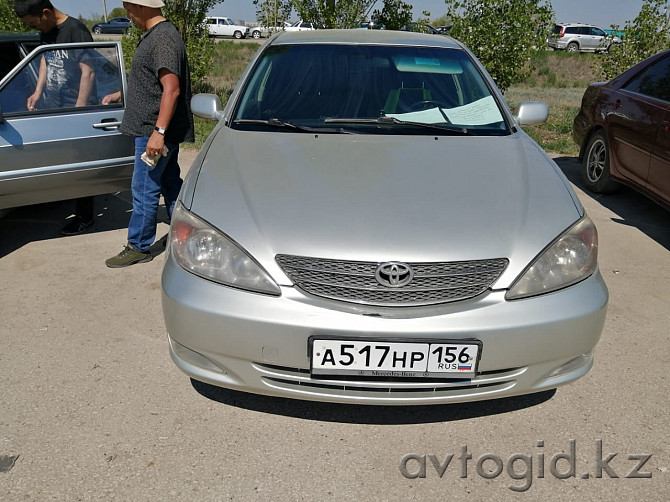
351	86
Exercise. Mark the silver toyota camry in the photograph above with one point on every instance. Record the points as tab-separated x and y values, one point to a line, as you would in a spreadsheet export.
368	223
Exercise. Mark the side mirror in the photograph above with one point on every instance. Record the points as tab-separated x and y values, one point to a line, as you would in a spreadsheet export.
207	106
532	113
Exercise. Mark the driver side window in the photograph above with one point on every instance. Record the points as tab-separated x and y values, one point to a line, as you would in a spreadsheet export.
62	79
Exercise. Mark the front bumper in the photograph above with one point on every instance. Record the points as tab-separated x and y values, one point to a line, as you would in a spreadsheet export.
259	344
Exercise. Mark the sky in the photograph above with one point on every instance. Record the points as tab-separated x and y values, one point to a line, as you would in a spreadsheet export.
602	13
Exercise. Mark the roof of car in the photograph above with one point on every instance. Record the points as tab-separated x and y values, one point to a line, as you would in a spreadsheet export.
381	37
576	24
19	36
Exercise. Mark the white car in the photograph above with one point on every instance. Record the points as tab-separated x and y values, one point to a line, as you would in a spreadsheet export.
225	27
301	26
266	31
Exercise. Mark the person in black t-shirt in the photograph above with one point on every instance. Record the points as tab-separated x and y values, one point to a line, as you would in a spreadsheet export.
66	77
70	79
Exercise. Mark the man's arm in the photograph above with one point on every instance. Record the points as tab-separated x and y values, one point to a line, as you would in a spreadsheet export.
171	91
41	82
85	84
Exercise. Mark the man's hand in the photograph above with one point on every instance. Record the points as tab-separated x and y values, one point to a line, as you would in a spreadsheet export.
114	97
31	103
155	144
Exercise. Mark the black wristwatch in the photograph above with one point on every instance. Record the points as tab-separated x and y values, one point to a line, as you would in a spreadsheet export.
159	130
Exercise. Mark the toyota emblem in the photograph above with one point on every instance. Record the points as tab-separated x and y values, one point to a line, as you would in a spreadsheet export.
394	274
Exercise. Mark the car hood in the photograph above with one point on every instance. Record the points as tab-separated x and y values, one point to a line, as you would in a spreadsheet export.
382	198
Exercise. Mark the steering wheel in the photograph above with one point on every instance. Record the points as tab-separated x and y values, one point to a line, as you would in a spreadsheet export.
426	104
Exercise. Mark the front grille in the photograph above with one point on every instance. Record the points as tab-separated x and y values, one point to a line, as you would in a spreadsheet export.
353	281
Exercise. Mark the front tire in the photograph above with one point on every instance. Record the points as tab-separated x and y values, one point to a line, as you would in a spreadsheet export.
97	30
256	34
596	165
237	34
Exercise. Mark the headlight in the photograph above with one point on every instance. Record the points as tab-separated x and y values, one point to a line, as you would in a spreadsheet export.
204	251
569	259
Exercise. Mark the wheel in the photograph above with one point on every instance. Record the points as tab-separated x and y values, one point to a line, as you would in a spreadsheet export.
596	164
256	34
573	47
237	34
97	30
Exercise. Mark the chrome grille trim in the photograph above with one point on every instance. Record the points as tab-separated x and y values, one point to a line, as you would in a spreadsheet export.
302	377
353	281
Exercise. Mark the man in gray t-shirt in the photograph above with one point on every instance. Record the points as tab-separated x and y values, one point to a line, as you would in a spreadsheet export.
158	116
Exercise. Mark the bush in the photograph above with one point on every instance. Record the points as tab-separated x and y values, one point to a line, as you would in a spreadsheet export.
643	37
503	34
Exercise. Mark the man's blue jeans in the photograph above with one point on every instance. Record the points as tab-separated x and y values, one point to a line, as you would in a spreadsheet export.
147	185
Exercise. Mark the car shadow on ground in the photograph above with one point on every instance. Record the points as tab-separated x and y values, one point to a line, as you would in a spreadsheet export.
22	225
366	414
633	208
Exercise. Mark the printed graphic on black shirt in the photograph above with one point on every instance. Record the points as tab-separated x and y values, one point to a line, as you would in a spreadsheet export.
63	77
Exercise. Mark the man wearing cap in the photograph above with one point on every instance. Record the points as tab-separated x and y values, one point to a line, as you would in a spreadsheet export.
158	116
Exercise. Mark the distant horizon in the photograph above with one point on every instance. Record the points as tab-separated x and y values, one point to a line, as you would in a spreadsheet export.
603	13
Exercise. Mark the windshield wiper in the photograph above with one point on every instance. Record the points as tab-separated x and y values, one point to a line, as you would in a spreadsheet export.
275	122
386	120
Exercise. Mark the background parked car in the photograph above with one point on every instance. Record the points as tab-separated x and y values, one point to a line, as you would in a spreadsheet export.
301	26
421	28
55	153
578	37
371	25
114	25
623	129
225	27
266	31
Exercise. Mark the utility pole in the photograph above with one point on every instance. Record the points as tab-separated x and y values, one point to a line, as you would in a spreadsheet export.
104	9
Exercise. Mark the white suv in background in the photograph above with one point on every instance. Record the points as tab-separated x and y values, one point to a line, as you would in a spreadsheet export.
578	37
225	27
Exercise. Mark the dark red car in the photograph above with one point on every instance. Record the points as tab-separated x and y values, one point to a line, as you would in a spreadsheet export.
623	129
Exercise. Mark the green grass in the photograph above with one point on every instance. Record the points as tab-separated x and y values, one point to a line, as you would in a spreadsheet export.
555	135
230	60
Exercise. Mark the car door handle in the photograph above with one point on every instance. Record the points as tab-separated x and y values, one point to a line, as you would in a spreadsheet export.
618	104
108	124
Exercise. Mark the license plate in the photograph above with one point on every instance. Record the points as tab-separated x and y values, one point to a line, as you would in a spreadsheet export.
446	359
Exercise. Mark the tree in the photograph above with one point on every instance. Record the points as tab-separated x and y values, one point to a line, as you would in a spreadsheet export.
503	34
333	13
188	16
118	12
8	19
643	37
270	11
394	14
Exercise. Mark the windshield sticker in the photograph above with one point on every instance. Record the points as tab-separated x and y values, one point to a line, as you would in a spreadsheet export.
480	112
430	116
